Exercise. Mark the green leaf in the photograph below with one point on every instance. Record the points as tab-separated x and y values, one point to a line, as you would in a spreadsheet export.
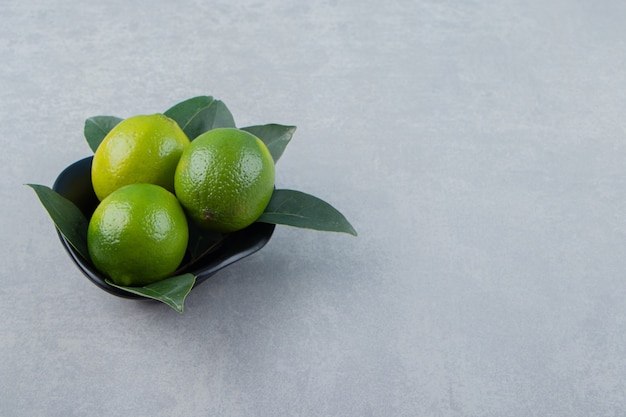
295	208
201	241
200	114
68	218
171	291
276	137
97	127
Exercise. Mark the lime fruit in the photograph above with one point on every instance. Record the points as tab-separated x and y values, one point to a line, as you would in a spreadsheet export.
138	235
225	179
140	149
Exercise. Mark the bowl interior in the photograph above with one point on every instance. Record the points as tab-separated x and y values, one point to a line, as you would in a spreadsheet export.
74	183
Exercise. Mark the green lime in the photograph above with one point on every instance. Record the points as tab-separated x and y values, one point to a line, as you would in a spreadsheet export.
138	235
225	179
140	149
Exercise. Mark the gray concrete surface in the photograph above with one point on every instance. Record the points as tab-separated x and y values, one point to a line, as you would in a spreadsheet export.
478	147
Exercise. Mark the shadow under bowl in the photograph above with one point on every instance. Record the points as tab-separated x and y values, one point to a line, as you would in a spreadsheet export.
74	183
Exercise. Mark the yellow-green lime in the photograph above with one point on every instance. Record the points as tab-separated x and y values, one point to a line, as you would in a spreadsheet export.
225	179
138	235
140	149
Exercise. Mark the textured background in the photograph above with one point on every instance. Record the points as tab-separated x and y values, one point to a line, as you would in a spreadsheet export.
477	146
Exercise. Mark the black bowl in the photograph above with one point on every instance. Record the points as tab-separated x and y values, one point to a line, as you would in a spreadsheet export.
74	183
